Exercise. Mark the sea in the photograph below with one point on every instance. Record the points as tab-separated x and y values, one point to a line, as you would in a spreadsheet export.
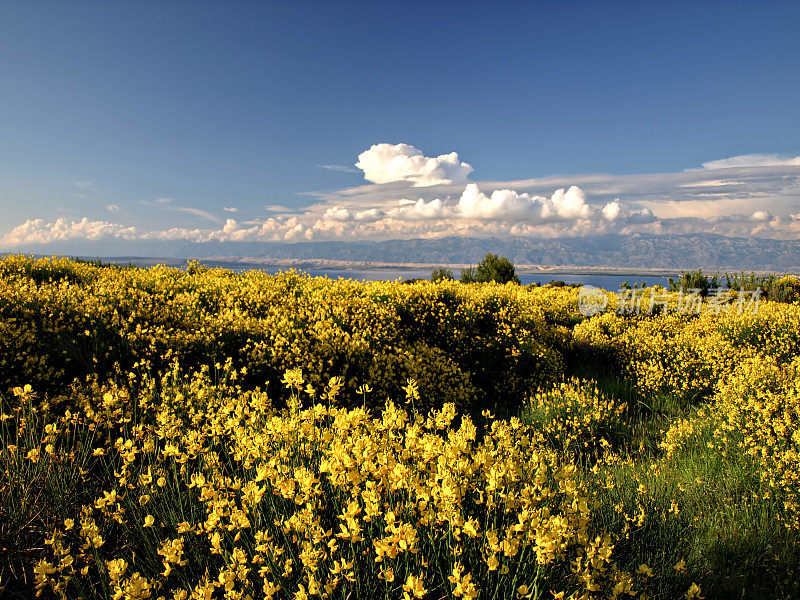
606	281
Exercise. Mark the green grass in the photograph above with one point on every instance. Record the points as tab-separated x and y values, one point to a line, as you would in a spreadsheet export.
731	538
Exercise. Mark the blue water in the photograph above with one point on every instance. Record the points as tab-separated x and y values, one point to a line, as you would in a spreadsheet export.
608	282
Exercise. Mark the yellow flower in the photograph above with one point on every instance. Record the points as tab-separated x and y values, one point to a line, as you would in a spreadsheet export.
149	520
184	526
116	569
413	585
471	528
293	378
693	592
645	570
493	562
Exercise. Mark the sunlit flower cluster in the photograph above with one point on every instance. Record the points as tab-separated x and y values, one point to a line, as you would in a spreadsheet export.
197	434
227	498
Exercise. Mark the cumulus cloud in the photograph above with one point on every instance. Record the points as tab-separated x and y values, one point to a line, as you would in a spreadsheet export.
387	163
40	231
420	209
509	204
641	216
776	188
336	213
369	216
474	204
760	200
570	204
611	210
753	160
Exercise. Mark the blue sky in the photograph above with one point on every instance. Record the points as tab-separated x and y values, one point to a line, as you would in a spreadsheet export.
155	117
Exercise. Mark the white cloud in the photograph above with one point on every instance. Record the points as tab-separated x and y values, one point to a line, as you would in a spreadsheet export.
753	160
84	185
761	200
509	204
642	216
166	204
387	163
570	204
370	215
197	212
338	168
38	231
711	183
474	204
335	213
414	210
611	210
230	209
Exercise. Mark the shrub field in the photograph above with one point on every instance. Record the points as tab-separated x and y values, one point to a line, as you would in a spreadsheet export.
202	434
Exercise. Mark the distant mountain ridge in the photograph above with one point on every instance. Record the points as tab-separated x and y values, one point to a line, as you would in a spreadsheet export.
689	251
667	252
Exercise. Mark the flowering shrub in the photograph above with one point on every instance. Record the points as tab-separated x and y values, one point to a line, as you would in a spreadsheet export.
197	433
473	346
208	494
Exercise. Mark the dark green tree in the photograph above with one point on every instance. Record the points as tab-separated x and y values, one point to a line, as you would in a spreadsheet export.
491	268
440	274
469	275
694	280
494	268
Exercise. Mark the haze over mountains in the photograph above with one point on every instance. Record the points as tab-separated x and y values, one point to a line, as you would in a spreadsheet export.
690	251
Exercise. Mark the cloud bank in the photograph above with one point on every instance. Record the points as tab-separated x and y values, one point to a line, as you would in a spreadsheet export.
414	196
753	160
387	163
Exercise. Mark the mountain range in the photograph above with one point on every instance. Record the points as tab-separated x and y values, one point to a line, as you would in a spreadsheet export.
690	251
